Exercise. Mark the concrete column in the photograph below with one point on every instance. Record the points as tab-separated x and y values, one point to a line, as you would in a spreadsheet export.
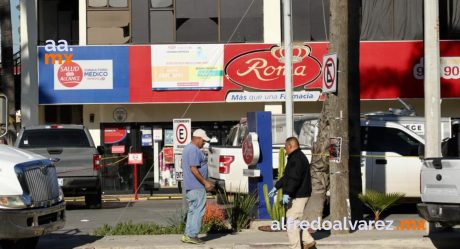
29	74
82	21
274	108
272	21
432	80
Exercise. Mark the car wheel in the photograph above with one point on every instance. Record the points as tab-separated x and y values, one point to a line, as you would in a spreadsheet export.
28	243
179	186
93	201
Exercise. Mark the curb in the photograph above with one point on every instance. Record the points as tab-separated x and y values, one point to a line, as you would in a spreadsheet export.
131	199
358	244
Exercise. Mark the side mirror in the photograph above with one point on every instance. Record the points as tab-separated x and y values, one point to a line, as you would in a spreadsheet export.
100	150
421	151
3	115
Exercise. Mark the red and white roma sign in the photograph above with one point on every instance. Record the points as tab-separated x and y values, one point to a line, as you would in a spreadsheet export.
264	69
251	149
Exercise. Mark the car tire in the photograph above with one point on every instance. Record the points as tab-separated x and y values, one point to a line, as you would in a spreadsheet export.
93	201
179	186
28	243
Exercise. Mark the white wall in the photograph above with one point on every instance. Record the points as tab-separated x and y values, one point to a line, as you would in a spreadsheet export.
82	21
272	21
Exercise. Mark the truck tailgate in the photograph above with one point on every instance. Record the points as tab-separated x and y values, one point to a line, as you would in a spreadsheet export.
440	180
73	161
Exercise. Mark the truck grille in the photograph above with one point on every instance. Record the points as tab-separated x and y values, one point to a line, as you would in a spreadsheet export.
39	181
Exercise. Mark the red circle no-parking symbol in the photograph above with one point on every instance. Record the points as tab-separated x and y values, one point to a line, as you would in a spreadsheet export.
181	134
329	73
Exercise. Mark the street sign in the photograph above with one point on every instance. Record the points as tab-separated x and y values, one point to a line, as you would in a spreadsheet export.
329	70
182	133
135	158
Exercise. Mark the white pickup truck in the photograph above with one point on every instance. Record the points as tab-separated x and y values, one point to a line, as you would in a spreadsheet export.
440	186
226	164
390	159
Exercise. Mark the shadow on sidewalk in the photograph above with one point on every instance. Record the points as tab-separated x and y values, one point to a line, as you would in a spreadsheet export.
65	241
214	236
77	205
446	239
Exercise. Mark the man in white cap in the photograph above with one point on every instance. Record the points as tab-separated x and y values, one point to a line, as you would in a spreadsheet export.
195	168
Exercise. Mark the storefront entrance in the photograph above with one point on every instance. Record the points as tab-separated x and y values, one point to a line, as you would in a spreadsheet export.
155	141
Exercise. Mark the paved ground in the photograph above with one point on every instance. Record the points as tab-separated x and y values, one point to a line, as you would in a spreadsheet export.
81	221
257	239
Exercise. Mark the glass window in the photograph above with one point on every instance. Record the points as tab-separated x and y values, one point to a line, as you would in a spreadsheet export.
97	3
251	27
118	3
161	26
310	20
196	24
161	3
383	139
108	4
49	138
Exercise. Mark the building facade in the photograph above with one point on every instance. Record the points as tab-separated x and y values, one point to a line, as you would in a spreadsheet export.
139	64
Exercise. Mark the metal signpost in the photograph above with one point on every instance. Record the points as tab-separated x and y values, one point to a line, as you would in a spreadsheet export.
135	159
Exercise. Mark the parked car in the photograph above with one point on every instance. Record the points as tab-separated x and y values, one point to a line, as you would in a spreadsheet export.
389	153
79	168
31	202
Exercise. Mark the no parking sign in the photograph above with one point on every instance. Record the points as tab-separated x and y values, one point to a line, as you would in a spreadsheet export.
329	70
182	133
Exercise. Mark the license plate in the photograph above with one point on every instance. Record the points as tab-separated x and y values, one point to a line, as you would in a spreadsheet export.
60	182
179	176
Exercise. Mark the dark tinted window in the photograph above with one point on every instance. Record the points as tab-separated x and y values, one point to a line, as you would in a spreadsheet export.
236	29
310	20
383	139
47	138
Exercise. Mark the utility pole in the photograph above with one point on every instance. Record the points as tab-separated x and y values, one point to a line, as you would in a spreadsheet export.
287	35
432	80
345	176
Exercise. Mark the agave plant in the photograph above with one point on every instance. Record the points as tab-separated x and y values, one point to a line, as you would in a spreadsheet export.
379	202
239	209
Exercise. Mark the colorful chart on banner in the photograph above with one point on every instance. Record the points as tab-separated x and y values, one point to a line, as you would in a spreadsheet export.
187	66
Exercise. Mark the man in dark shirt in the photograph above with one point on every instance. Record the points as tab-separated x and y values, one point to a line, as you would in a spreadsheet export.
296	185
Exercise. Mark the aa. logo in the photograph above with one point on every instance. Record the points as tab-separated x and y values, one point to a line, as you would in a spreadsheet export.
58	52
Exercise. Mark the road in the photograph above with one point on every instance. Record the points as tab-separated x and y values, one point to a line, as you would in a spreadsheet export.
81	221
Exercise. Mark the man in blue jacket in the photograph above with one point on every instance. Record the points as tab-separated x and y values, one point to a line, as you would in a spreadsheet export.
296	185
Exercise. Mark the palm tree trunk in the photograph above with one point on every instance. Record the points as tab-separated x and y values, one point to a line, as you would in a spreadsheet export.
7	76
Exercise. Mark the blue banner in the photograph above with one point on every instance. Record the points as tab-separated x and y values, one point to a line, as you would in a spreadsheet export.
83	74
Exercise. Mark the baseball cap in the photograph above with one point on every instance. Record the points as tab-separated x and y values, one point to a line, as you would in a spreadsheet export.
201	133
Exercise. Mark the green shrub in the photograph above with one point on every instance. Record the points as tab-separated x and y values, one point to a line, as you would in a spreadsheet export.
379	202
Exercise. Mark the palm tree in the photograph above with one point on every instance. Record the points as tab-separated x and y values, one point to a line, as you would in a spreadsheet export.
7	77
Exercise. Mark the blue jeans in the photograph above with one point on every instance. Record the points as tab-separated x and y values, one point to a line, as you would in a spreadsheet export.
196	199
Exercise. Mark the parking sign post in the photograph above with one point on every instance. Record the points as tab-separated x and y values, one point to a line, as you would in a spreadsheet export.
135	159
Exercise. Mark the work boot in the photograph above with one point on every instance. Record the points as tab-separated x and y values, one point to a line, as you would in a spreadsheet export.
309	245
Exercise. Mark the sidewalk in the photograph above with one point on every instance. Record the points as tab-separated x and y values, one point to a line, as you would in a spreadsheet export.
256	239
